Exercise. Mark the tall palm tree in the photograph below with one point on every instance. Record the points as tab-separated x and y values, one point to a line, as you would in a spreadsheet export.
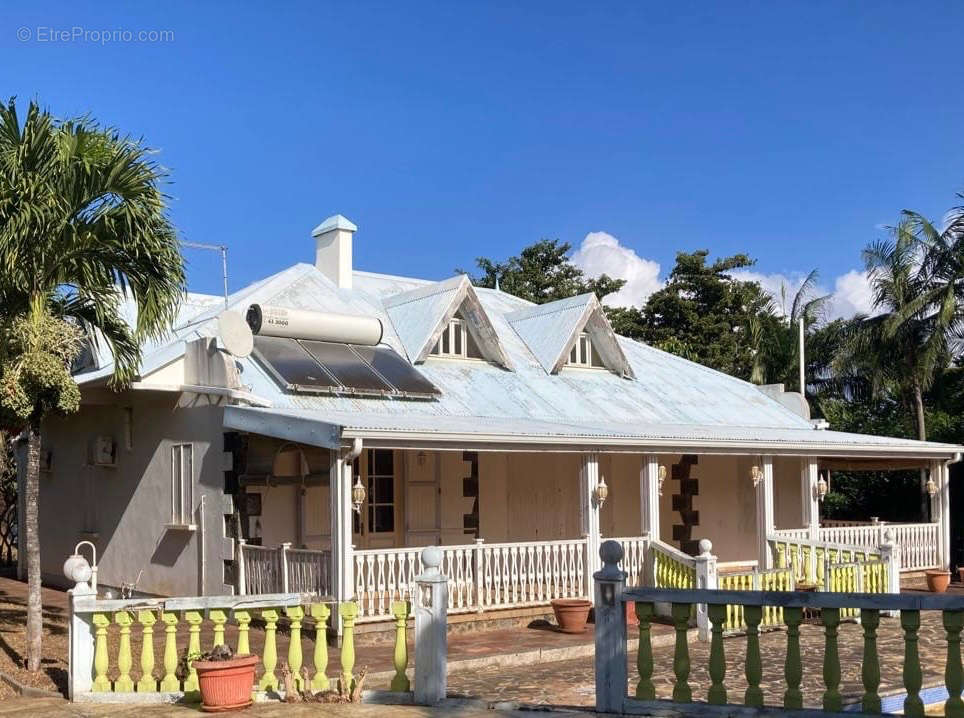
82	225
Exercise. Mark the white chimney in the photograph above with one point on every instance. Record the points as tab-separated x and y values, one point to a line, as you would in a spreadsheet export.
333	249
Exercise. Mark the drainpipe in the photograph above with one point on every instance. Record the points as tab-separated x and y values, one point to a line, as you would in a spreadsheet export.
202	560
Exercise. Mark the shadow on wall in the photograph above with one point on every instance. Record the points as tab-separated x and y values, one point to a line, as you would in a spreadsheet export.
170	547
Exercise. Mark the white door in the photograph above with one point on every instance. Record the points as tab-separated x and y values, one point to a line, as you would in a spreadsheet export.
422	500
375	525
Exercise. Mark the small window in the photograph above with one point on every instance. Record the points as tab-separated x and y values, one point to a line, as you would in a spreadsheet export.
457	341
584	354
381	491
182	484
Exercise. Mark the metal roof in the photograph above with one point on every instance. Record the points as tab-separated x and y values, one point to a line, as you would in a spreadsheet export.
669	400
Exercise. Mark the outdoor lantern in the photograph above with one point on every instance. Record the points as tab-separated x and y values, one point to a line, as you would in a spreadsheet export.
756	475
662	478
930	486
602	491
357	495
822	488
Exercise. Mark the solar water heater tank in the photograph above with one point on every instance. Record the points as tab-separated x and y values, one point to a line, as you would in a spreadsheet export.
271	321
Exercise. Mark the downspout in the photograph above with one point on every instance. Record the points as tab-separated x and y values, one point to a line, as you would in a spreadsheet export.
202	560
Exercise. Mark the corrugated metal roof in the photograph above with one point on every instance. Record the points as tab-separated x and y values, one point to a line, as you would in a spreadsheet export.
670	397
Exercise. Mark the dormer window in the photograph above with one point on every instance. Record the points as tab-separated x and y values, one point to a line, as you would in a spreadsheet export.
457	341
584	355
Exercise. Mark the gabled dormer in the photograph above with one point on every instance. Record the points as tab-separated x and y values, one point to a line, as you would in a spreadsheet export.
445	319
571	332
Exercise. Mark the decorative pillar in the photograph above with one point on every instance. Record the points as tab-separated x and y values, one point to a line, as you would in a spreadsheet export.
706	578
80	637
342	569
764	511
431	639
610	631
809	503
649	496
589	514
940	514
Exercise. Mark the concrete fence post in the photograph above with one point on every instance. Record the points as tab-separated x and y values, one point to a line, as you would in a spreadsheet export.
706	578
283	556
240	570
610	634
80	640
431	639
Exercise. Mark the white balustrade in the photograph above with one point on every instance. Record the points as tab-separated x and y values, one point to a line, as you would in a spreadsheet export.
634	558
917	544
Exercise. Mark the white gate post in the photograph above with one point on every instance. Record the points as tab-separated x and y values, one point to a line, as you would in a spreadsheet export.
80	640
610	633
239	562
431	639
705	579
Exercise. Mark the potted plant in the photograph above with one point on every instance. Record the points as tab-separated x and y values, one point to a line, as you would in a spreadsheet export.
938	581
571	614
225	680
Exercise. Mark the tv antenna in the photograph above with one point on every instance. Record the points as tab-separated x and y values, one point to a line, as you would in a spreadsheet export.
223	249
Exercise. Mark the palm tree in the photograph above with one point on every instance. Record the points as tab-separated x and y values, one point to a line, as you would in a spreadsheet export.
82	226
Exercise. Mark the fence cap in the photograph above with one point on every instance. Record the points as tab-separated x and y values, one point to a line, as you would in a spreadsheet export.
431	559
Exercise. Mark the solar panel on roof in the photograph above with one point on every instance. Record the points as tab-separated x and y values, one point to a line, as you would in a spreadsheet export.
343	364
402	375
292	365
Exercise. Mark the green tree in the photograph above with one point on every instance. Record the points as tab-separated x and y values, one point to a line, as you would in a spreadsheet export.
541	273
82	224
706	313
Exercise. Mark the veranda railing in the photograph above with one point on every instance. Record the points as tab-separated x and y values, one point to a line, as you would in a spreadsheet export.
611	654
918	543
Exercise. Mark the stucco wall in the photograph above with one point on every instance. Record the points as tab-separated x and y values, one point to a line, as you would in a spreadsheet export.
130	504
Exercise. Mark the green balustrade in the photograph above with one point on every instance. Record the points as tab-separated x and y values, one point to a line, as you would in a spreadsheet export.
124	683
870	671
717	615
295	614
953	679
218	618
244	622
101	661
832	699
682	693
400	681
194	619
320	612
913	675
754	664
793	667
269	658
169	682
147	682
348	613
645	690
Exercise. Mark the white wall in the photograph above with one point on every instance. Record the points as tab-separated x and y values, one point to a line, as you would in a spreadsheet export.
130	504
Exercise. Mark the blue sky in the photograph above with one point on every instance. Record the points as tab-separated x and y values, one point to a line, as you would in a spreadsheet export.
446	131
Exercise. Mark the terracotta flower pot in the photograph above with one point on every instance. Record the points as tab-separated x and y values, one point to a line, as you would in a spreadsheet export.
571	614
226	685
938	581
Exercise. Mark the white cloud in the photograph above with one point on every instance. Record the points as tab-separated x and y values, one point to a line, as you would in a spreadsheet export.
601	253
851	293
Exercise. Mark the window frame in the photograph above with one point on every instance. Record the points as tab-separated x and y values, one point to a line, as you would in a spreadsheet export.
182	487
581	354
456	334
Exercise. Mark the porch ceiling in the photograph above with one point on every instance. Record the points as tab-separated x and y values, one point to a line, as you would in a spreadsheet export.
403	430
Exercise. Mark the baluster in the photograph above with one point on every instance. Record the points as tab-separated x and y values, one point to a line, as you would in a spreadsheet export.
348	613
218	618
913	677
125	660
295	658
400	681
193	619
147	682
870	619
269	681
170	682
244	620
320	612
717	692
953	680
645	690
101	661
754	665
792	668
681	655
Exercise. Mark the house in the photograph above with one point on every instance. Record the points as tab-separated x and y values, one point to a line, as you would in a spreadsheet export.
514	435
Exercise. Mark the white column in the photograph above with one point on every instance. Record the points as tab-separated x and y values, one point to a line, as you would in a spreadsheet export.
810	506
431	638
343	562
649	496
764	511
589	514
940	513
